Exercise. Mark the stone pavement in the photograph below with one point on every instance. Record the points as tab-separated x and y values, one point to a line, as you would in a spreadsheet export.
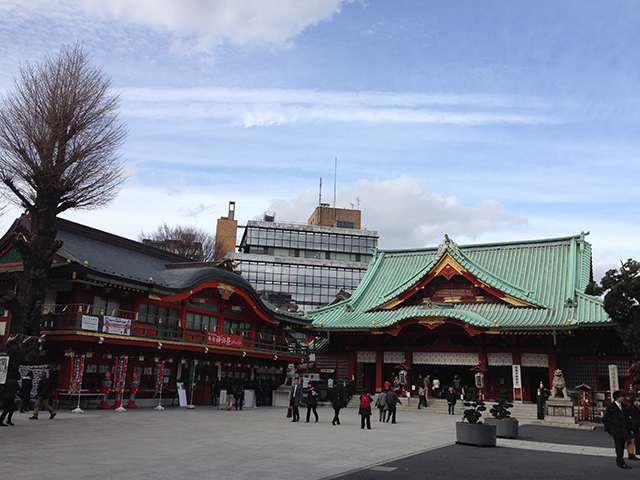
261	443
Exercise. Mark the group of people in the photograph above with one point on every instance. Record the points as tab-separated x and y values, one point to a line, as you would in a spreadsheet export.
386	403
622	422
22	390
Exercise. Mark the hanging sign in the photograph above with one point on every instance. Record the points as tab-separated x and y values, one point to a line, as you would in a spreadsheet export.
116	325
75	381
222	339
90	322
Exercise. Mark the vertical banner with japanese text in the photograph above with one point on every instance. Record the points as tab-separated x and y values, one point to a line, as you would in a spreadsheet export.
159	374
120	374
75	380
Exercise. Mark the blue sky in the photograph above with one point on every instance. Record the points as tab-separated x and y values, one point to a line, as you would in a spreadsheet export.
487	121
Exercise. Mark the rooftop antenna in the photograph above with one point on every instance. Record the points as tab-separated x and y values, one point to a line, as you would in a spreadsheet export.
358	200
320	193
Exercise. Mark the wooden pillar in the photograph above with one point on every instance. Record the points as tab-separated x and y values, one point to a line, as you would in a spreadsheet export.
552	365
379	357
353	358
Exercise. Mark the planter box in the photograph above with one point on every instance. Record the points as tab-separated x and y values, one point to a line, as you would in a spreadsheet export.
478	434
504	428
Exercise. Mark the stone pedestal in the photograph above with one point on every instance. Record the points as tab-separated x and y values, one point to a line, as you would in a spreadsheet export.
560	410
281	396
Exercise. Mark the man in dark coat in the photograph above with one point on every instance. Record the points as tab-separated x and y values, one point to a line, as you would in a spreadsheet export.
392	401
452	398
25	391
295	397
44	395
616	424
339	401
634	423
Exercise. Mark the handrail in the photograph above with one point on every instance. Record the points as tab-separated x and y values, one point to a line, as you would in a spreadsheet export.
70	317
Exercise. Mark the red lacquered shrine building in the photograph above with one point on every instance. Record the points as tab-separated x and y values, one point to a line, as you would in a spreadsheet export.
112	297
460	309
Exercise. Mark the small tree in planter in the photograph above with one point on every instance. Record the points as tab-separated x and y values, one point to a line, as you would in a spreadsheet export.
506	425
475	406
500	409
473	431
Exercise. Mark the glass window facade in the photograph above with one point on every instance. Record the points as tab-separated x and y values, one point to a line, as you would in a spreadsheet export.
307	262
310	286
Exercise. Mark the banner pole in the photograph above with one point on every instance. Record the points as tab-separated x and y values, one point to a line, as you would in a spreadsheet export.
78	409
160	372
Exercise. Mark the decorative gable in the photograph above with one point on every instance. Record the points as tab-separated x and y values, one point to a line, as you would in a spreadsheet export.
456	279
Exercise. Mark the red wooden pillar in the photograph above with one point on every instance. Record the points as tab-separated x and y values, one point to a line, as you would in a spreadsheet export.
552	365
379	357
353	358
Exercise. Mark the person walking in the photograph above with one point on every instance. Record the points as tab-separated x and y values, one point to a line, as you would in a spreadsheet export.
312	402
295	397
230	394
457	384
238	394
381	403
616	424
25	391
633	412
214	390
338	400
44	395
422	396
9	393
392	401
365	409
427	385
436	388
452	398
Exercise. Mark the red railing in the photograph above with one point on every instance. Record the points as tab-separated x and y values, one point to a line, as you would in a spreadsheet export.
70	317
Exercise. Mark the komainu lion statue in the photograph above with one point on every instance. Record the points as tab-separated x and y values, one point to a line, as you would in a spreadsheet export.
559	387
291	372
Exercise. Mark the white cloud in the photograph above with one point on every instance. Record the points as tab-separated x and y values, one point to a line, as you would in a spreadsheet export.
268	107
404	212
241	22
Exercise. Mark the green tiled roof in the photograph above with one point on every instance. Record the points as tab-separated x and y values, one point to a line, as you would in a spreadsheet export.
548	275
10	256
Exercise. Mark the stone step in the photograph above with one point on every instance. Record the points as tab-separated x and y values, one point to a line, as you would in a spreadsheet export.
523	411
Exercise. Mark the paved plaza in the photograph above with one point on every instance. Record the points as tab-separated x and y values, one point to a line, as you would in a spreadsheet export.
260	443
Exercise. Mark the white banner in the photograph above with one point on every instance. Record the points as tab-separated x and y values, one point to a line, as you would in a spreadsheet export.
613	378
116	325
89	322
515	371
4	368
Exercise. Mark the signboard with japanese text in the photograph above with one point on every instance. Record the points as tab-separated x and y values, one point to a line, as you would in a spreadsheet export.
116	325
224	340
89	322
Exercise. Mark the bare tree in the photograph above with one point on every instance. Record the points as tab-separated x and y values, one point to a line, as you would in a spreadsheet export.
59	142
192	242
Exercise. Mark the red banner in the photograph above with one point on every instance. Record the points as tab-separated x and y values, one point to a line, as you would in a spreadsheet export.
75	381
224	340
120	374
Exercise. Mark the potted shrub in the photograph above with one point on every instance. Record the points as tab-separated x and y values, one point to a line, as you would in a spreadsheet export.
471	431
506	426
